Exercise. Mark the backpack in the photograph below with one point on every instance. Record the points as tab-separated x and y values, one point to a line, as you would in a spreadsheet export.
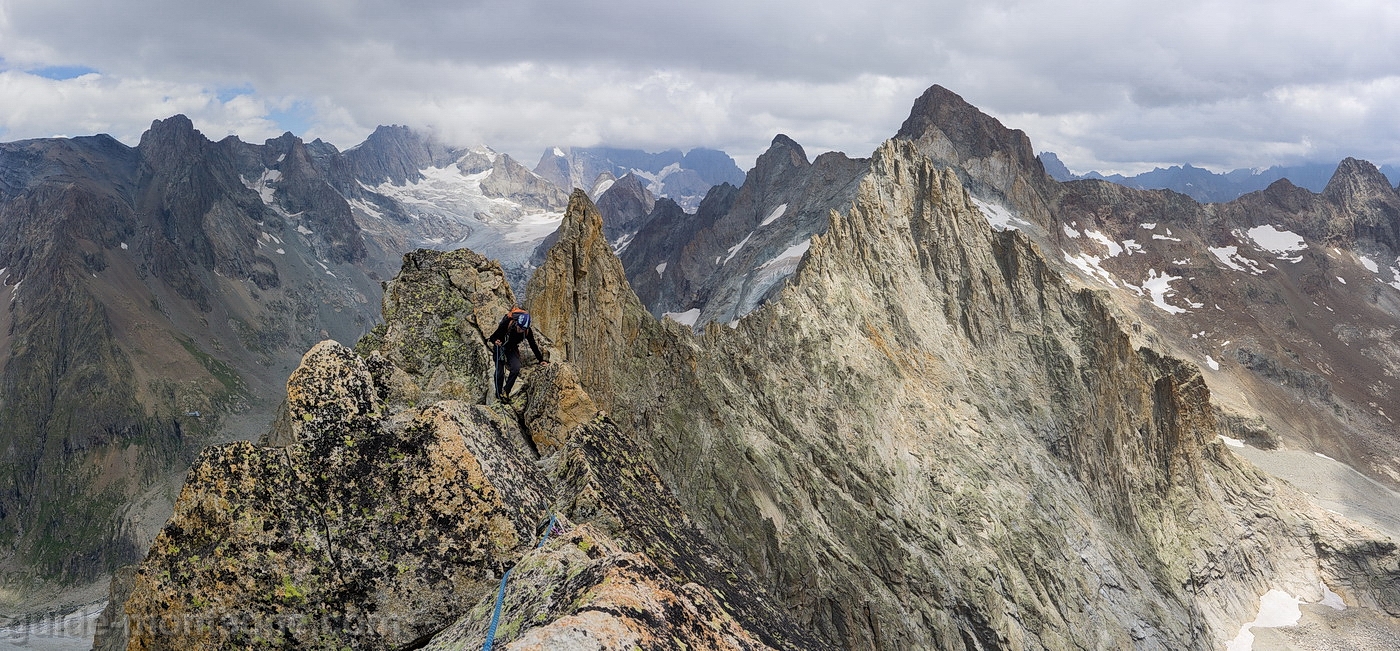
520	317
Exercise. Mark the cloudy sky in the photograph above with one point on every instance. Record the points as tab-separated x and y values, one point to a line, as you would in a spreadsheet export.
1108	85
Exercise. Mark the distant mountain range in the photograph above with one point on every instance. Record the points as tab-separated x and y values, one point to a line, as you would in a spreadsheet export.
193	274
682	177
1209	187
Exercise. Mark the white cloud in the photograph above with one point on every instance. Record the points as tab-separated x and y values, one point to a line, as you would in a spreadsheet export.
1108	86
34	106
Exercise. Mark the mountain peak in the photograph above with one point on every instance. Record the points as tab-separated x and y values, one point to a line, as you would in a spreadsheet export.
170	135
1357	177
396	153
970	132
783	155
991	160
581	300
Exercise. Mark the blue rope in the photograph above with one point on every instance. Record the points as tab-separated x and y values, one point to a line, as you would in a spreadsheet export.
501	592
553	518
496	615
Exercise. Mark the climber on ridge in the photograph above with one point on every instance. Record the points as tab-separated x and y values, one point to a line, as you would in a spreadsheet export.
505	341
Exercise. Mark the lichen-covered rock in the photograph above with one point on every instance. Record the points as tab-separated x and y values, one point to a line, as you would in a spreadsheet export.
438	312
365	532
583	590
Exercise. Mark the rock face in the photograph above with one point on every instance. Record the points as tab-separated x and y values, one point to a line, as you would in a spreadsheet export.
625	205
990	159
575	279
740	246
368	530
979	447
387	517
511	180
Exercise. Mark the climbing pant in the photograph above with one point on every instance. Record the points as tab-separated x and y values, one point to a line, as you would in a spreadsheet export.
507	358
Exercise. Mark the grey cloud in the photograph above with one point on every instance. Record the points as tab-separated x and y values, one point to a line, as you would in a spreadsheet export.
1108	84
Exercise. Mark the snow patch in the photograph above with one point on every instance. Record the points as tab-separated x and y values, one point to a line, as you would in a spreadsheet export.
686	318
1090	266
1000	217
1160	288
1341	280
1370	264
263	184
621	244
734	250
603	186
367	208
1323	456
773	216
559	152
1071	233
281	252
661	269
1214	365
124	247
1149	226
1331	599
1234	443
1131	246
1276	608
304	230
1113	249
1158	236
1230	257
794	252
1285	244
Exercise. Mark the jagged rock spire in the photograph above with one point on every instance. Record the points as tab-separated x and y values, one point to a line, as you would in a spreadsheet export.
990	159
581	301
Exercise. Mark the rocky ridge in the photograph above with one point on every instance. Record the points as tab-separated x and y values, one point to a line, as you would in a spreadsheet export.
955	379
741	244
382	514
926	440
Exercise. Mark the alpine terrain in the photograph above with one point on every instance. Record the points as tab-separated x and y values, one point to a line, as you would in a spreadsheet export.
154	299
929	399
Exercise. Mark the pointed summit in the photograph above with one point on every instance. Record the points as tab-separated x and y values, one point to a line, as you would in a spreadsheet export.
581	301
1365	195
782	157
624	205
1357	179
991	160
171	141
396	153
954	131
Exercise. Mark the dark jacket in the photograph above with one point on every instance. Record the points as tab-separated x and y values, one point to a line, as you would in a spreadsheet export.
513	336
